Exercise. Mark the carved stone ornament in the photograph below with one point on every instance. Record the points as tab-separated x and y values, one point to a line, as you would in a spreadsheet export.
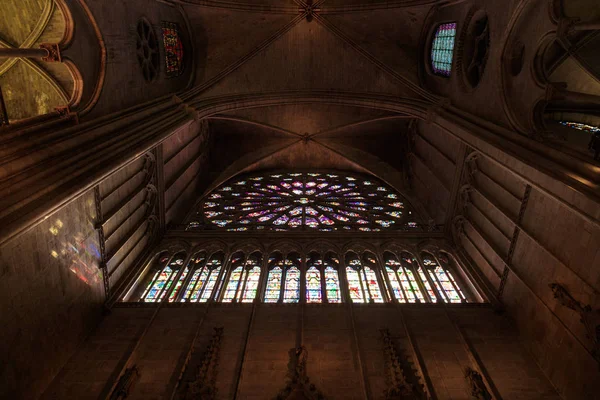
298	386
589	318
203	386
476	384
53	52
401	380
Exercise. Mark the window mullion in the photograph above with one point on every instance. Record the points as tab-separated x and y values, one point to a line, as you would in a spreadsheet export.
264	276
441	288
221	284
160	293
364	283
426	271
455	280
406	298
237	287
324	298
382	281
187	280
302	282
186	262
245	279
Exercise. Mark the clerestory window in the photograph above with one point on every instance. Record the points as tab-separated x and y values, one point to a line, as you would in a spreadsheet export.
442	49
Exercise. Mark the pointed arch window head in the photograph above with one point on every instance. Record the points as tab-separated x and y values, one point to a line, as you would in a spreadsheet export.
273	289
332	278
443	280
204	273
243	280
305	201
402	278
362	279
291	290
163	278
442	49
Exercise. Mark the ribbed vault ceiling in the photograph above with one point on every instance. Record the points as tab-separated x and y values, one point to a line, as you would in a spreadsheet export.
273	46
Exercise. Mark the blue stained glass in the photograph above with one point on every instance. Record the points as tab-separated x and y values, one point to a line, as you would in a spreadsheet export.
292	286
332	285
313	285
273	285
442	49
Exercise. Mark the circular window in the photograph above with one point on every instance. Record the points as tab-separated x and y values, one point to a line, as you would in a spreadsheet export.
147	50
476	48
306	201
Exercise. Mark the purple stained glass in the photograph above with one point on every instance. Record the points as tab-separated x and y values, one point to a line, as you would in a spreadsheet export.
326	202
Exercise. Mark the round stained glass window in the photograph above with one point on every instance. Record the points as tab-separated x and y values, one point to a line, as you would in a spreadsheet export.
305	201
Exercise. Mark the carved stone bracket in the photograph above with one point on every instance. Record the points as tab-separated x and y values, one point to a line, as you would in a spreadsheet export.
589	318
203	387
53	52
478	389
298	384
401	379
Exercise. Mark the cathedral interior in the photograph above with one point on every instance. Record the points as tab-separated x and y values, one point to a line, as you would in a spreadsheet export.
300	199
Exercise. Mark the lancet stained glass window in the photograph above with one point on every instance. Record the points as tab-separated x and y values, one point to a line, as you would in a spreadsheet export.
313	285
332	279
243	280
291	291
163	279
404	284
273	289
173	49
443	280
204	276
362	279
305	201
442	49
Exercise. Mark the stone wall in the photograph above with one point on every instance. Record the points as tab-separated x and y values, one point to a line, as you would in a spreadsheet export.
345	350
522	240
51	292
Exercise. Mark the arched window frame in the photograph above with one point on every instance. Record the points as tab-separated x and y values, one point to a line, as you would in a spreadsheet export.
165	291
340	279
212	269
434	280
315	260
240	289
418	294
365	288
300	265
430	47
278	263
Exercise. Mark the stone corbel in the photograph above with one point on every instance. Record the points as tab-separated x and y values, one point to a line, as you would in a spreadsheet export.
465	197
589	318
458	228
478	389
